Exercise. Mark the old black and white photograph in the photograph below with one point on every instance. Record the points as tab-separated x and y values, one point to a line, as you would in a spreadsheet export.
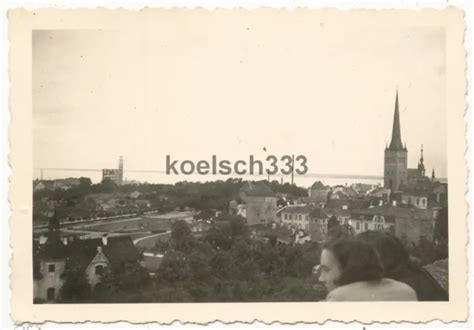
193	156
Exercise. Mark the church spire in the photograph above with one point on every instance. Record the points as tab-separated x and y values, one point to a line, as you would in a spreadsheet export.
421	166
396	143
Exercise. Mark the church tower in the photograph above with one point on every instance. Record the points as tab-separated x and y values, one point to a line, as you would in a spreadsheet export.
421	165
395	165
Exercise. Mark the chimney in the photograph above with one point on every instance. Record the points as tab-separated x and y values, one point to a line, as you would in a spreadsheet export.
99	249
43	239
394	203
65	240
104	240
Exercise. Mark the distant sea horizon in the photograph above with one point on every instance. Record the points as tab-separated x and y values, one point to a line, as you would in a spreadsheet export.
161	178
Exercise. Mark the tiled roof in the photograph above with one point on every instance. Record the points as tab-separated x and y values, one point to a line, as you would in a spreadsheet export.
297	209
119	249
318	185
416	193
258	189
318	213
397	212
80	253
337	212
440	271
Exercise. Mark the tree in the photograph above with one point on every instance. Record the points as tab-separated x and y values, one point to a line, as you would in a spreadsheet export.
85	181
174	268
182	236
108	186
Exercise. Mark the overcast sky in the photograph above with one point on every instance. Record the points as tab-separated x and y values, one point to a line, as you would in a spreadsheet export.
231	87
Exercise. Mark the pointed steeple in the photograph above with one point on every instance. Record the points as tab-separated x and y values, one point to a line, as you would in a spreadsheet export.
396	143
421	166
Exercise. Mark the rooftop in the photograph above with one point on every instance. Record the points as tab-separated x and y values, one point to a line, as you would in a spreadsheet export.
258	189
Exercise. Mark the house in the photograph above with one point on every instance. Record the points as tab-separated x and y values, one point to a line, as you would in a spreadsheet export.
343	193
94	255
296	216
318	224
261	203
49	261
440	193
66	184
408	223
379	193
53	256
371	219
418	199
362	188
318	193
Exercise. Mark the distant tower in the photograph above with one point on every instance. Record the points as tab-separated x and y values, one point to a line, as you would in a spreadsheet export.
433	177
421	165
120	178
395	165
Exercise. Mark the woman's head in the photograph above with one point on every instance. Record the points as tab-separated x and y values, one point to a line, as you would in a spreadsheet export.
390	249
348	260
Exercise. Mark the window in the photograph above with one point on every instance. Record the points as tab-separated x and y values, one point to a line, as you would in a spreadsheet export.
290	217
99	269
285	216
50	294
357	225
51	268
366	226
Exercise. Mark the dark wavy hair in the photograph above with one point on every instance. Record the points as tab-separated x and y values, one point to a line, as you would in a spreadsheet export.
358	260
392	253
399	266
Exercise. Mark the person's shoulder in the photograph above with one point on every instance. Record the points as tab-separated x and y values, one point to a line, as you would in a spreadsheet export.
401	289
341	293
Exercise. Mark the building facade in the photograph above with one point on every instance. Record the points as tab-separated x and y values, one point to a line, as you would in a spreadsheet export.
296	216
395	162
114	174
261	203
